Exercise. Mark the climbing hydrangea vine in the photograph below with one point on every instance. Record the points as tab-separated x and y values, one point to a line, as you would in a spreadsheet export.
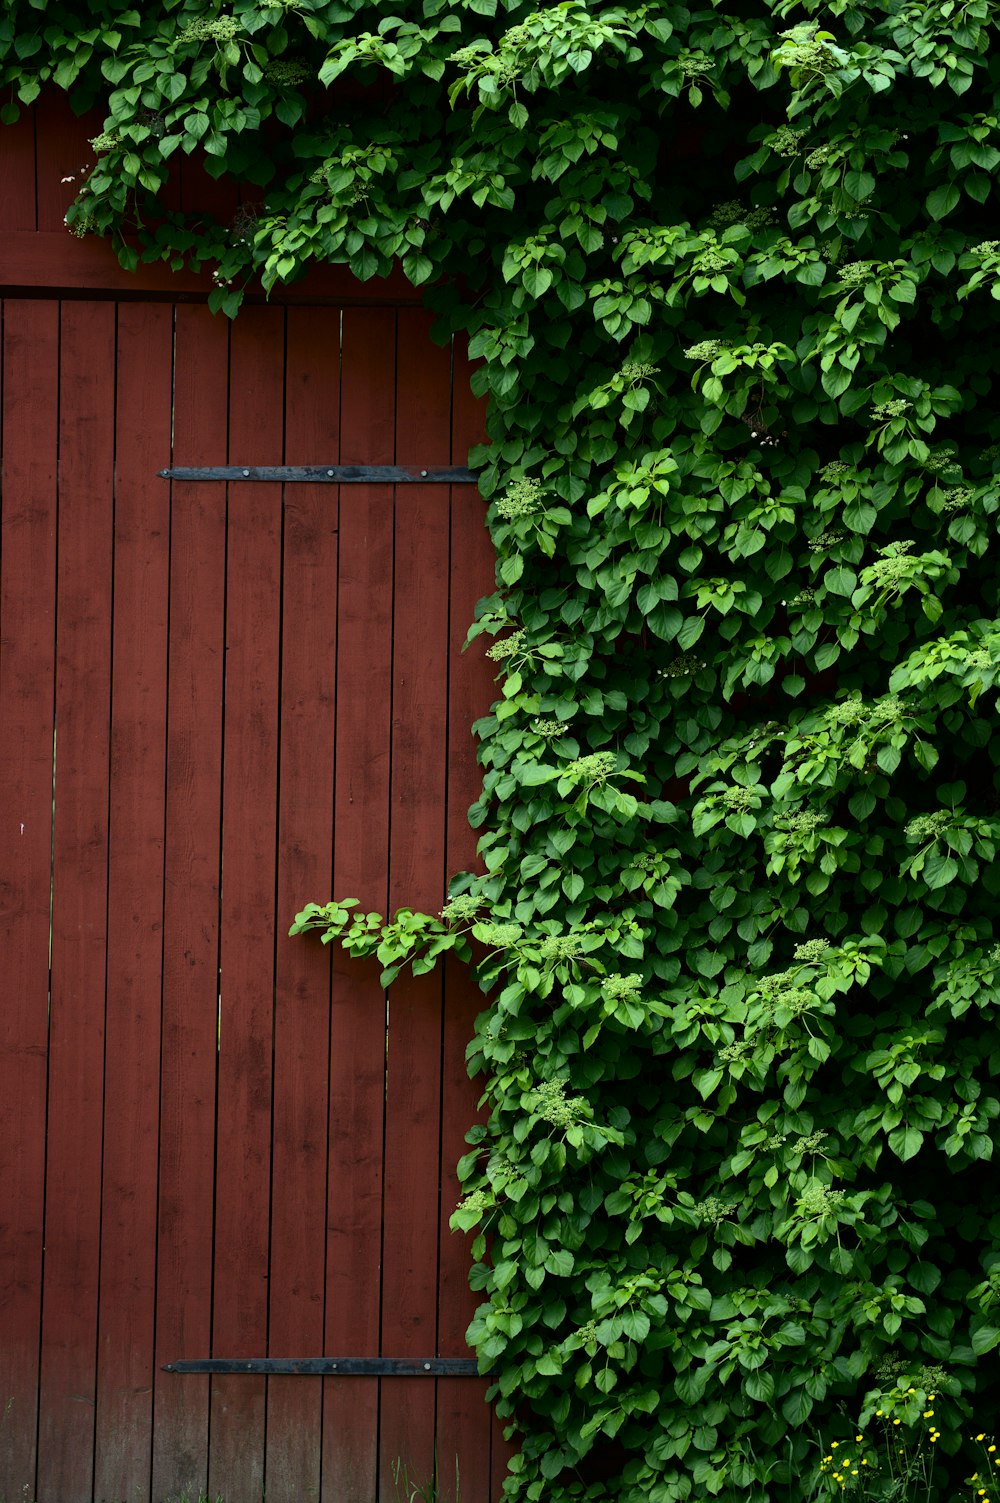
728	275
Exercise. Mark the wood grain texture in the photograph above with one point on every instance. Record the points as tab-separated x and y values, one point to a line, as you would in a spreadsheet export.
191	907
56	259
27	670
17	175
251	693
86	354
63	156
305	861
249	834
360	868
416	880
135	905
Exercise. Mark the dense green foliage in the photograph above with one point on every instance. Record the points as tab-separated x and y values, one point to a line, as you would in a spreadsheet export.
728	274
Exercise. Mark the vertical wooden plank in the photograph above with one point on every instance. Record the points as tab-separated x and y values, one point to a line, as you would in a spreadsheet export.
361	853
17	173
135	904
191	906
250	775
79	901
464	1421
201	193
416	879
64	156
27	631
305	856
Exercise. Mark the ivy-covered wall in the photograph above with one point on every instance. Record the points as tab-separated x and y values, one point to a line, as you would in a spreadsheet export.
729	274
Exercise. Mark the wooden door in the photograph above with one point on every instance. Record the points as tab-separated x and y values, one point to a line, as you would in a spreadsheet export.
217	703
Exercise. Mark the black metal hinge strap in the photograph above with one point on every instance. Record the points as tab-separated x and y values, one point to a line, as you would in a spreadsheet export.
338	1367
329	474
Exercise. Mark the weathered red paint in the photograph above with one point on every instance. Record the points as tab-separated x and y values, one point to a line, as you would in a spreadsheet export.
257	698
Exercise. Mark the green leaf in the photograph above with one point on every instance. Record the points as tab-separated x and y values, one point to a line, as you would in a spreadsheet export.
905	1142
940	201
841	580
537	281
985	1339
939	870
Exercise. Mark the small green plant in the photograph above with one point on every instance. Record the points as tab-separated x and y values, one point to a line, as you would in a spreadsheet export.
898	1454
203	1497
410	1490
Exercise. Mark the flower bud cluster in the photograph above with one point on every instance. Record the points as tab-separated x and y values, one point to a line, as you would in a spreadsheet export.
637	370
597	767
786	142
712	261
506	647
617	987
928	826
561	946
552	1106
707	349
819	1200
223	29
802	823
855	273
812	949
476	1200
520	499
499	936
713	1210
827	540
285	73
465	906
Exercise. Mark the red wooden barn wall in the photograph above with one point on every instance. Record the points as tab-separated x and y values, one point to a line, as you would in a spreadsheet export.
216	704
